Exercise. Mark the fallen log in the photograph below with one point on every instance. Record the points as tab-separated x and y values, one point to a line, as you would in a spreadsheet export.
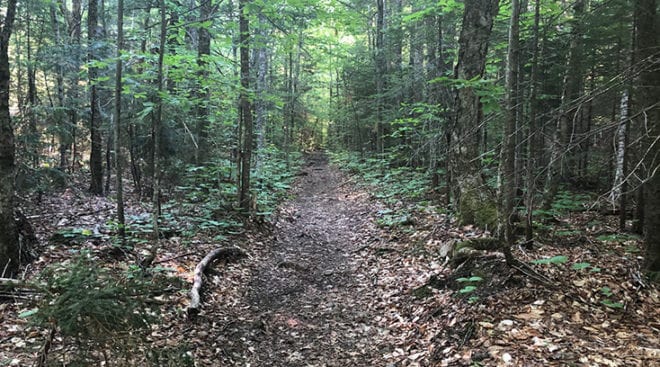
228	253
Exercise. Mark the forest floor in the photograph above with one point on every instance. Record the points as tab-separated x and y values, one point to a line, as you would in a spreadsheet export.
334	280
332	286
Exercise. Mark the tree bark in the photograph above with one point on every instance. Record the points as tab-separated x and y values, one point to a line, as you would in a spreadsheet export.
117	133
534	139
244	198
649	100
620	151
380	71
34	137
9	248
508	153
96	148
470	197
155	199
203	93
261	109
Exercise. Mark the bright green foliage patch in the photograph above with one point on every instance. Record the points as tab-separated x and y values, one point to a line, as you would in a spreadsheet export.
560	259
580	266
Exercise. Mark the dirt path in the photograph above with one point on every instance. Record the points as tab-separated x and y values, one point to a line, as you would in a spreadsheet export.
307	302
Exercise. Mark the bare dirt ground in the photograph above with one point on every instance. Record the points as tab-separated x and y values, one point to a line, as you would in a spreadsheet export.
308	302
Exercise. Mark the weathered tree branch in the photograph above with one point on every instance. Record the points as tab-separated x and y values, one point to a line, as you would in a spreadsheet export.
229	253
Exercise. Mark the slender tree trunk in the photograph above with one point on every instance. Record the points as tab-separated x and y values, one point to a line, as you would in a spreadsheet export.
203	94
117	133
95	156
534	141
75	29
32	98
380	71
157	129
620	151
470	196
261	87
244	198
508	153
63	132
9	248
156	132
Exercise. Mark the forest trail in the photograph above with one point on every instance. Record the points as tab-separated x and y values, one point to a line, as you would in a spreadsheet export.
308	302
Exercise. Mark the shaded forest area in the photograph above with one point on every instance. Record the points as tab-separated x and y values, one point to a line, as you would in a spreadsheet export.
509	149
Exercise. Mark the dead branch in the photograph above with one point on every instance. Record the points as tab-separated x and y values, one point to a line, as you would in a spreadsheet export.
10	284
228	253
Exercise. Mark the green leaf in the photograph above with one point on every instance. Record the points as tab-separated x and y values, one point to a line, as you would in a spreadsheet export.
606	291
560	259
467	289
580	266
28	313
611	304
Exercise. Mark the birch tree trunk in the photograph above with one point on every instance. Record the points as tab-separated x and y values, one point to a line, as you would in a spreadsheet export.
620	151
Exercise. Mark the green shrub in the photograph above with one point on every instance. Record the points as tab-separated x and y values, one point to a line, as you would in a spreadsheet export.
92	307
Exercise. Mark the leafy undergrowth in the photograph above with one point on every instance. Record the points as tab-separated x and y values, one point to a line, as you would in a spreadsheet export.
588	304
85	301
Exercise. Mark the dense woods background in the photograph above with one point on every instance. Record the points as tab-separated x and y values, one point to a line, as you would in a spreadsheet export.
506	112
503	105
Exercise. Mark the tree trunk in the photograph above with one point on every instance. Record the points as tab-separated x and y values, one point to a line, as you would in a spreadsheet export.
620	151
203	94
34	138
246	107
508	154
470	198
62	131
158	121
9	248
261	109
534	140
75	30
380	70
117	133
96	148
649	100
